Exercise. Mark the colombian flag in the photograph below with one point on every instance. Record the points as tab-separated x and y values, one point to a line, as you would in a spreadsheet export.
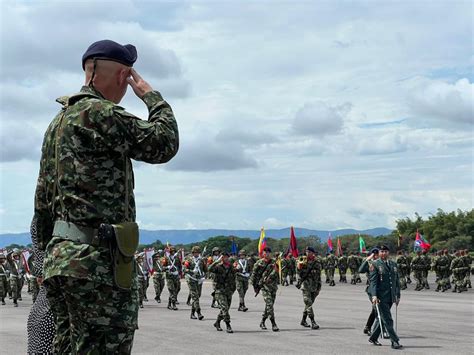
262	242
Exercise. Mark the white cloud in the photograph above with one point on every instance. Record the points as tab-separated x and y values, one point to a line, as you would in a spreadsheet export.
440	102
320	119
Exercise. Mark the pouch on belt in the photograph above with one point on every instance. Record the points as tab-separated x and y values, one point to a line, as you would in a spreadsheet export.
126	237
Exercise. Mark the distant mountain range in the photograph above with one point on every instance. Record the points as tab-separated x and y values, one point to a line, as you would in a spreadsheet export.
186	236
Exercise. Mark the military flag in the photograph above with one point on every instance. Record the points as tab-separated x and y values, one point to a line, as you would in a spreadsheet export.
292	248
233	248
420	242
362	245
148	259
262	242
339	248
330	248
25	255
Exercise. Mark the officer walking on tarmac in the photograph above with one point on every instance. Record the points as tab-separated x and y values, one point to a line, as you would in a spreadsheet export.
85	205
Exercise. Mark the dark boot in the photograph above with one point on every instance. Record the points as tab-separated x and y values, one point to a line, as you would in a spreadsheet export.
217	325
274	325
396	345
262	324
366	330
244	309
157	299
173	306
193	316
408	280
332	283
188	302
303	321
314	325
455	288
3	302
15	304
427	286
327	281
438	288
228	327
200	316
240	307
213	305
169	304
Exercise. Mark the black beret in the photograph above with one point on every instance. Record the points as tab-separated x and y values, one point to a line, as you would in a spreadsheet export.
374	250
267	249
384	247
311	249
110	50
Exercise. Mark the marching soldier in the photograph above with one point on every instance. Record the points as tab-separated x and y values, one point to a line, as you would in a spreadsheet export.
426	268
458	269
195	269
216	254
172	265
384	288
265	278
4	273
342	266
292	269
224	279
285	270
366	267
353	263
467	261
418	266
15	276
141	278
331	264
435	267
324	266
409	260
309	269
244	270
449	271
158	275
402	264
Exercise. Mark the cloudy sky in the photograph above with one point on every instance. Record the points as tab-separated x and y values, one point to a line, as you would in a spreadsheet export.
321	115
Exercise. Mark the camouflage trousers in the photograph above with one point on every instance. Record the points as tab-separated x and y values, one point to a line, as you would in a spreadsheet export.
418	275
403	278
4	286
34	287
242	284
342	273
195	289
330	274
292	275
424	276
458	279
174	285
92	318
354	274
309	296
15	287
158	284
224	300
141	289
269	296
467	279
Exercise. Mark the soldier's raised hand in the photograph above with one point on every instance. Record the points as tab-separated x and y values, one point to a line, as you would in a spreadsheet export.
140	87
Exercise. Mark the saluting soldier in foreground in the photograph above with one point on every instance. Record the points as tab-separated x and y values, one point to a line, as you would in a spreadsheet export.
309	271
265	278
84	201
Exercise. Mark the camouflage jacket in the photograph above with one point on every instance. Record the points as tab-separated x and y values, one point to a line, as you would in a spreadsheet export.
172	265
158	270
86	156
195	268
342	262
418	263
353	261
309	272
402	262
224	276
244	268
331	261
265	274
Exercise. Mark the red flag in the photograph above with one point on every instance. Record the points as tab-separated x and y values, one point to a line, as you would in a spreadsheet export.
339	248
293	249
421	242
330	248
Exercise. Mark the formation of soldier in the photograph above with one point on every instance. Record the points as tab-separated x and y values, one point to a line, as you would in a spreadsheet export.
13	275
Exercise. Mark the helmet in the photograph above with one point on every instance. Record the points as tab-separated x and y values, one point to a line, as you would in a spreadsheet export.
195	249
242	252
215	249
172	248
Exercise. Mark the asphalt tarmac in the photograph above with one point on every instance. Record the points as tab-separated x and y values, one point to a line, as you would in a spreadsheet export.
428	323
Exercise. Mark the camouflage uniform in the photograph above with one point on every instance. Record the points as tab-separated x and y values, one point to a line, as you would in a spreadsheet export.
285	270
15	277
244	269
4	273
342	266
292	269
194	269
331	264
408	272
426	268
441	268
141	279
449	271
86	159
458	268
418	266
402	264
172	265
224	278
265	278
158	276
216	254
353	263
467	261
309	270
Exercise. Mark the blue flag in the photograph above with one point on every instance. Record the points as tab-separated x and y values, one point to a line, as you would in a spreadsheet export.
233	249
